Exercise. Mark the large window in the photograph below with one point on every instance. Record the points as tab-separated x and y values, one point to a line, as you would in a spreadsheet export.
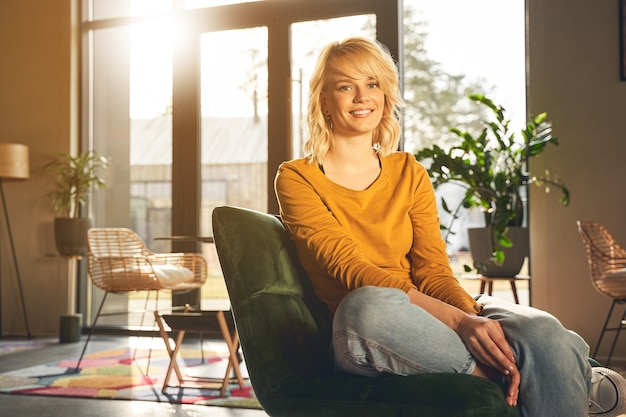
453	48
197	101
177	94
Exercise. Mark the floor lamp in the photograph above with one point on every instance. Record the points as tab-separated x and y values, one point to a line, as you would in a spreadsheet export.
13	166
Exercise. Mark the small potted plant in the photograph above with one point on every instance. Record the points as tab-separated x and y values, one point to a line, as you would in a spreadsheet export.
492	168
76	176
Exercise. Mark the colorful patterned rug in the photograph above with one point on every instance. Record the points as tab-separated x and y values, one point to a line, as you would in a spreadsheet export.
121	374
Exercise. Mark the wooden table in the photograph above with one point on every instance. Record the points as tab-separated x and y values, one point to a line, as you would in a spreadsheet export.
488	282
199	321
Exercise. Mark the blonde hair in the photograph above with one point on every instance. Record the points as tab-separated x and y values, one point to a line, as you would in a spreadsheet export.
372	59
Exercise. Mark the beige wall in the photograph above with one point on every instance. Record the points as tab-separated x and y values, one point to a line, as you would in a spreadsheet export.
35	111
574	76
573	50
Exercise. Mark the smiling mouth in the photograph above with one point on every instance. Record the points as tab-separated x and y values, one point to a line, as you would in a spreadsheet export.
361	112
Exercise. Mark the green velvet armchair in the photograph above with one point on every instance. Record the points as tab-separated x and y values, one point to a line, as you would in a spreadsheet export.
285	333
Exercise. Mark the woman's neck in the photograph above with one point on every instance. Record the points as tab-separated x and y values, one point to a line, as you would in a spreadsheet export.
353	167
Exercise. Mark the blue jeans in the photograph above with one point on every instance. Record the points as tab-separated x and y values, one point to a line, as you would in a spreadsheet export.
377	330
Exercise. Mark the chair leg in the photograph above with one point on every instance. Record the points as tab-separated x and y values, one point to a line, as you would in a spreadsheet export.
490	287
143	316
514	291
617	332
93	328
606	322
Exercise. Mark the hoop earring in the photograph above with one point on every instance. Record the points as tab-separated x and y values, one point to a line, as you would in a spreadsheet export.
330	121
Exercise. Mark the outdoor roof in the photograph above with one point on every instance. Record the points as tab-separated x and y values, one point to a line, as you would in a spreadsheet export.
224	141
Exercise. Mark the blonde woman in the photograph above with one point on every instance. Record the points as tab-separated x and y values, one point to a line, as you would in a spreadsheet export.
365	224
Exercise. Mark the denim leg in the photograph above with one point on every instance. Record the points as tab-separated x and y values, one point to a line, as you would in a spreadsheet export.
377	330
555	373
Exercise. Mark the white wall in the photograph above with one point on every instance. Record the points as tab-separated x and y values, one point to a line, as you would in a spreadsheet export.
574	76
35	111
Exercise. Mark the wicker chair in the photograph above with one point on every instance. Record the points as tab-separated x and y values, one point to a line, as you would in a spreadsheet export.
607	268
119	261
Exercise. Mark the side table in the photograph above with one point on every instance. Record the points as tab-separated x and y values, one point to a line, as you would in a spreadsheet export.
199	321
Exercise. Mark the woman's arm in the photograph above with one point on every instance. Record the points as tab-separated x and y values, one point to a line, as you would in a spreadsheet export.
440	293
430	267
483	337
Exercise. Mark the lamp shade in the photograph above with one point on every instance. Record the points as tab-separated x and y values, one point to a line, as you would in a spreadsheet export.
13	161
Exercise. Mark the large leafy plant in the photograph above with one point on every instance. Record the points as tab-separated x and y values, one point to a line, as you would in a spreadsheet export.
492	167
75	178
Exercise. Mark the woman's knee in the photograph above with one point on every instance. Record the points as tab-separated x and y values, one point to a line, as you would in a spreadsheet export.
370	298
545	335
367	306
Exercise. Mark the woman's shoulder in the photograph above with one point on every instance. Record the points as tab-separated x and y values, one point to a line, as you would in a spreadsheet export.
402	160
299	167
296	164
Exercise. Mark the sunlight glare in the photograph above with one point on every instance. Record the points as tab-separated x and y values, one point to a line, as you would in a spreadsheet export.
151	68
197	4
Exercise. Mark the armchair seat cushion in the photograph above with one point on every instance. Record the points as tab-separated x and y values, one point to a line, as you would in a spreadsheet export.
433	395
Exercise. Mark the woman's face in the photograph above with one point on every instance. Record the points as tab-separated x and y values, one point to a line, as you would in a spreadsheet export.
353	100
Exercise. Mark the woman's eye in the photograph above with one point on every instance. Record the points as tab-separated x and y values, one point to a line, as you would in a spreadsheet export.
344	88
374	85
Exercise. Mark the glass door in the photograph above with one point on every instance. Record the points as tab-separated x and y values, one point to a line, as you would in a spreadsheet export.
176	93
234	118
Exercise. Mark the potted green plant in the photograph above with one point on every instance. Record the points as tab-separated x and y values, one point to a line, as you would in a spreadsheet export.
76	176
492	168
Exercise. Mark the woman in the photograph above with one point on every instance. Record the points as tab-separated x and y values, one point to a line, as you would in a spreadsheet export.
366	228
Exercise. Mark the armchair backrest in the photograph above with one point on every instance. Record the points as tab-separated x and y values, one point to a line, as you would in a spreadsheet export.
283	327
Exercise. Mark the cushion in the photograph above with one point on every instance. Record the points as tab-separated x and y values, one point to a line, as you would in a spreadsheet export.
172	275
167	275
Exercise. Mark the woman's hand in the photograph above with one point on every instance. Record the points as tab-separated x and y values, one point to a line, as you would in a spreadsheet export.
486	341
483	337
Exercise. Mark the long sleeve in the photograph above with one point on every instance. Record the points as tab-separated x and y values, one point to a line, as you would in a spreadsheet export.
430	266
347	239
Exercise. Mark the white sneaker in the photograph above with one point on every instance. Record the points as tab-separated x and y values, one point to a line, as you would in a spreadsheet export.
607	395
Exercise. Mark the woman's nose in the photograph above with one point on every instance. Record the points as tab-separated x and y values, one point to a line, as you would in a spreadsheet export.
361	95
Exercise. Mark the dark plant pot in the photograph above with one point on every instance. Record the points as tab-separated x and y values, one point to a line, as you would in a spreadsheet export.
514	257
70	235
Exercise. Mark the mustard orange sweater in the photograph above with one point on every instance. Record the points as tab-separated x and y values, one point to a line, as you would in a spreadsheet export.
387	235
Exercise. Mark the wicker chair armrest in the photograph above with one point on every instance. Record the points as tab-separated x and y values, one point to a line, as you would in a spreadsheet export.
193	261
119	258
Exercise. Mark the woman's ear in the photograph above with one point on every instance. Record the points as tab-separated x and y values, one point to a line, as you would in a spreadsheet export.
324	106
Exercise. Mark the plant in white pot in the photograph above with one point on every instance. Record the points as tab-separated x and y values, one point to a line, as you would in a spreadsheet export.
492	168
75	178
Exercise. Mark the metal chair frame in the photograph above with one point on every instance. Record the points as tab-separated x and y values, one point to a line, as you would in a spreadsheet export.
607	270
